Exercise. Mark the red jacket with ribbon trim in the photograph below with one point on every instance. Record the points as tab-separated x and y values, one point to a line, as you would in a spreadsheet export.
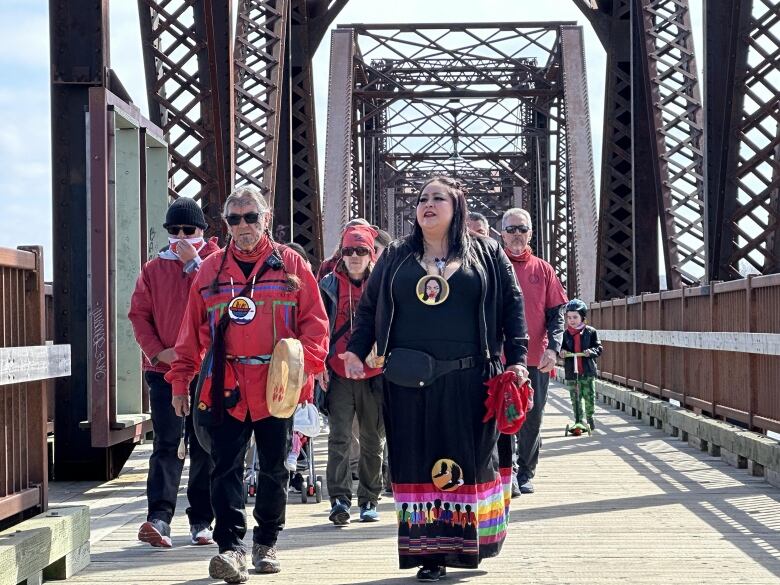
158	303
271	312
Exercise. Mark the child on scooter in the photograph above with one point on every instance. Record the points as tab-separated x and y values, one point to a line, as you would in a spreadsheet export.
579	349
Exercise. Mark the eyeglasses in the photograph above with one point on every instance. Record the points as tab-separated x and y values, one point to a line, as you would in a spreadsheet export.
249	218
187	229
359	251
514	229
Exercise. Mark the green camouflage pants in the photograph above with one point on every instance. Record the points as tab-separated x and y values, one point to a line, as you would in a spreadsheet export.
587	395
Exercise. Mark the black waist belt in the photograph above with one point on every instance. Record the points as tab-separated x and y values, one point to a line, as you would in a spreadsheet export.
447	366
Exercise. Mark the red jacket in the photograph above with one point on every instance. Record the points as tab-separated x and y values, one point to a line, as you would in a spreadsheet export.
341	298
328	266
158	303
278	313
541	291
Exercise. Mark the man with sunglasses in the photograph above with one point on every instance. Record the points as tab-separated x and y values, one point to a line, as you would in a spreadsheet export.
544	300
246	299
347	399
156	310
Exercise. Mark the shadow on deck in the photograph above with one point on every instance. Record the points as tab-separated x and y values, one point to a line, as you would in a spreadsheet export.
628	504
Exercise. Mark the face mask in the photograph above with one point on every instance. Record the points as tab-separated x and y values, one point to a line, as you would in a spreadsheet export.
197	243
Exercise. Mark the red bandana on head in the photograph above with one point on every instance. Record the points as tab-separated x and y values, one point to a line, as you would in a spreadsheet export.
360	236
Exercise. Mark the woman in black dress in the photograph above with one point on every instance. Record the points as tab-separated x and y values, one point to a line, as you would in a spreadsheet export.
439	447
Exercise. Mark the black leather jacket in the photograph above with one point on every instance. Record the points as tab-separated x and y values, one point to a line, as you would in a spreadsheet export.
590	340
503	316
329	291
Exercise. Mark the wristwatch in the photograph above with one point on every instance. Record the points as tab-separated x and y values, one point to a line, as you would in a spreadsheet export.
153	360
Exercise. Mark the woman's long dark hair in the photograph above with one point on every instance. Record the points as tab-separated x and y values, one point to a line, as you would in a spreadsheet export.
458	238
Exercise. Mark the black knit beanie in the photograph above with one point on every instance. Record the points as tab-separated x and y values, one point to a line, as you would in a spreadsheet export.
185	211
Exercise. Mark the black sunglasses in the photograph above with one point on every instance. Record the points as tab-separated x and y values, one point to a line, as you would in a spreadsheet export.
513	229
187	229
359	251
249	218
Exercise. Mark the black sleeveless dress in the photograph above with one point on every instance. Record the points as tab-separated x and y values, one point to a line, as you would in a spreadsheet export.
452	501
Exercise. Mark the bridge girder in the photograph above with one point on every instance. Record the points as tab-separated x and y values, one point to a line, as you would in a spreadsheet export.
484	103
743	137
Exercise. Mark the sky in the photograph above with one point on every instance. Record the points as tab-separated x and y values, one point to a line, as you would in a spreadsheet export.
25	145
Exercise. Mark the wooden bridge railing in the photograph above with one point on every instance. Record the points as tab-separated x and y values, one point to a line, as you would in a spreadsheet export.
26	363
715	348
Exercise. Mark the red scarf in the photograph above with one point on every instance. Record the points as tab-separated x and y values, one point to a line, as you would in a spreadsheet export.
576	334
508	402
523	256
262	249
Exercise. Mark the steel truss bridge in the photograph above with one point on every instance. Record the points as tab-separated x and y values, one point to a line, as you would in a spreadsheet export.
690	170
502	107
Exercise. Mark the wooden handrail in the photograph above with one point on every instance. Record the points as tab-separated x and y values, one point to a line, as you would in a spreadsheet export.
714	348
33	363
22	259
23	390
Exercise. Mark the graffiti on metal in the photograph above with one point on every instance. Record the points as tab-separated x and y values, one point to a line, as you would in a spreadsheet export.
99	344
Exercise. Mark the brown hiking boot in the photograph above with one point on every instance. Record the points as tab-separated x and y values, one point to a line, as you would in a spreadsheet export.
230	566
264	559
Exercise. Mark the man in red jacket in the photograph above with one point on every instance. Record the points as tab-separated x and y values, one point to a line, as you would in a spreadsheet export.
156	310
245	298
544	300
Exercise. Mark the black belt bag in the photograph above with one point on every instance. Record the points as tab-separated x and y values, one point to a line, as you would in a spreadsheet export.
417	369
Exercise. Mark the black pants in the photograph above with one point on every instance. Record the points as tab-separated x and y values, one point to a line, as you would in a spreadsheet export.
229	442
165	467
528	440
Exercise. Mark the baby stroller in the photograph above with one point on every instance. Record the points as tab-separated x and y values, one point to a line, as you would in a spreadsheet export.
306	421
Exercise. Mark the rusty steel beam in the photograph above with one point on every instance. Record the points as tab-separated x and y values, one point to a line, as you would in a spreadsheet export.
259	70
188	61
79	51
619	270
389	147
581	183
487	104
675	117
297	209
539	193
743	138
644	176
305	207
338	139
560	236
79	58
653	113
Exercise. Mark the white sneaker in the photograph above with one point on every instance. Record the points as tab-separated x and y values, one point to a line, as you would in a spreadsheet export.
291	463
201	535
155	532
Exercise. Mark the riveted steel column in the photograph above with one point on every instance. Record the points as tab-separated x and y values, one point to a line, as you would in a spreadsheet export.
338	138
79	60
582	189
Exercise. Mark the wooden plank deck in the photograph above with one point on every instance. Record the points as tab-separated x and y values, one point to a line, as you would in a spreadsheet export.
627	505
